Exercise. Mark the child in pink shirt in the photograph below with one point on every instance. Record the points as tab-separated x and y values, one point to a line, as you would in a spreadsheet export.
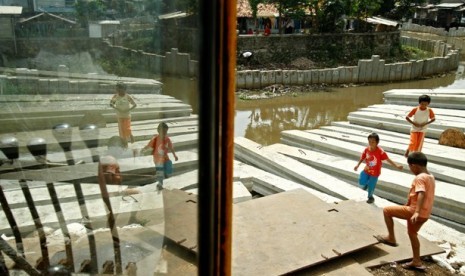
416	211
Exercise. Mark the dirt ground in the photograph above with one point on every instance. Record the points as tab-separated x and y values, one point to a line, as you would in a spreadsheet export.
432	268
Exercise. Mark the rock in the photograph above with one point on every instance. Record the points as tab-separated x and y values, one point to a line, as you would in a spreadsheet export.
452	137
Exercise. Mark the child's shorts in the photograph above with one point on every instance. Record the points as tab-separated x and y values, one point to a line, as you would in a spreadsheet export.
166	168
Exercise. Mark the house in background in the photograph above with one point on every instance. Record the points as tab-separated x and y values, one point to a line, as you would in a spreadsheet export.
44	25
103	28
8	17
266	14
447	14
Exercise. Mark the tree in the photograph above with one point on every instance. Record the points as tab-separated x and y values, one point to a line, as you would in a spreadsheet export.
330	14
362	9
89	11
291	9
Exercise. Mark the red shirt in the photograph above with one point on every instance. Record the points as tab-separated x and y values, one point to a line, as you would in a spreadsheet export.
374	160
160	149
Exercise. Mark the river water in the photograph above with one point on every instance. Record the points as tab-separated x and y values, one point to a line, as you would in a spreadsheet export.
263	120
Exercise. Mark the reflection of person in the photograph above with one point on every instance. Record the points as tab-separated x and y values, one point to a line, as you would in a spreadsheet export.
160	145
267	30
422	117
417	210
373	157
108	166
123	103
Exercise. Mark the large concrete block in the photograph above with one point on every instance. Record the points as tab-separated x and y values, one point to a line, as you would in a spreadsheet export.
308	76
43	86
300	77
322	75
315	76
241	79
256	79
417	69
248	79
279	76
380	71
294	77
287	77
362	68
406	71
335	75
355	74
182	64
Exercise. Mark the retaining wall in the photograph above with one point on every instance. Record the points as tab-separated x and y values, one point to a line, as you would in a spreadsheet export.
372	70
32	81
453	37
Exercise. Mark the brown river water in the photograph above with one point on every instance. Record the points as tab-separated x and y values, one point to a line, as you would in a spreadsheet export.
263	120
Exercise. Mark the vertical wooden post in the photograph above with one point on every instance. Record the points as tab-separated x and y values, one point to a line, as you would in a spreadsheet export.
216	134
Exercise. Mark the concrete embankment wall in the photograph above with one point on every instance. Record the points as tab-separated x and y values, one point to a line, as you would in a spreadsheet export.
367	71
453	37
32	81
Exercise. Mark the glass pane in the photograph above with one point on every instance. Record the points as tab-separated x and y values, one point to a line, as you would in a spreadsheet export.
99	136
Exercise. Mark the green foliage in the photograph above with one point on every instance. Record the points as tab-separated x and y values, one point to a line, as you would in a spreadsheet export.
364	8
329	15
409	53
121	66
89	10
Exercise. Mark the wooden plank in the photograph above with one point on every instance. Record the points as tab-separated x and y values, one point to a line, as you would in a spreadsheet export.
342	266
263	227
380	253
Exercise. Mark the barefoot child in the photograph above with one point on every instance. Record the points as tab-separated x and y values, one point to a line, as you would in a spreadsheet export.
422	116
373	157
160	145
417	210
123	103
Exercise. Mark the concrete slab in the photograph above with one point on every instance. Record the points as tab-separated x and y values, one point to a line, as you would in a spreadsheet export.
382	254
252	153
441	172
135	171
342	266
180	211
392	184
266	183
266	231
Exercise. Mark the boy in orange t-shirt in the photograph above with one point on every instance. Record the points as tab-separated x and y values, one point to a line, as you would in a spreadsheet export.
417	210
160	145
373	156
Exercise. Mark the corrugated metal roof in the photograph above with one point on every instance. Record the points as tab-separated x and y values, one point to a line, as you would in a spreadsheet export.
382	21
177	14
109	22
23	20
449	5
11	10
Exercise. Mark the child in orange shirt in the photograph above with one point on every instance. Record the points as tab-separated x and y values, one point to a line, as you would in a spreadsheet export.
422	117
417	210
373	156
160	145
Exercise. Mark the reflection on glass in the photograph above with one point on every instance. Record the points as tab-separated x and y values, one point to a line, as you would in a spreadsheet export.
83	87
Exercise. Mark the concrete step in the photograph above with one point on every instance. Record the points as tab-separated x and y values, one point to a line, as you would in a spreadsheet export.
252	153
392	184
441	171
442	98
